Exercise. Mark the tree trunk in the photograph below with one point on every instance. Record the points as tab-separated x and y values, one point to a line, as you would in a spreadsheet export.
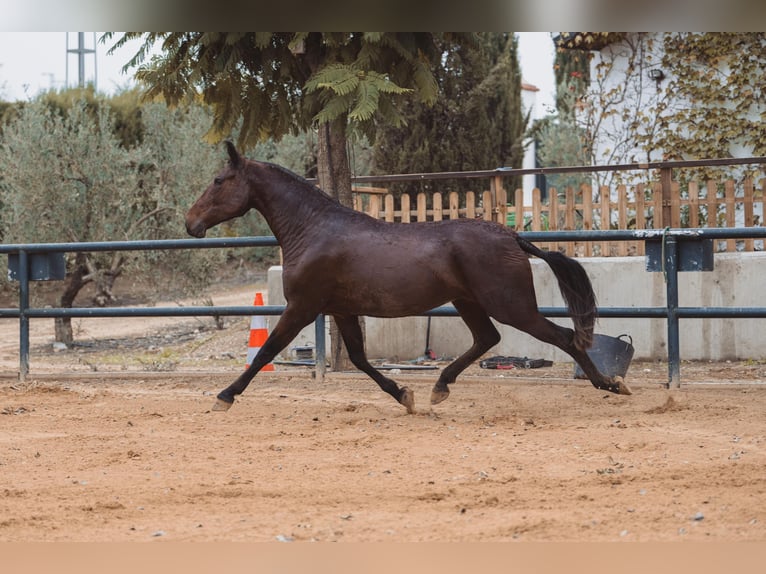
75	282
334	177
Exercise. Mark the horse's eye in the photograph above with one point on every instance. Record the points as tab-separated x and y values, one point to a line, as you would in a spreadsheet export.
218	180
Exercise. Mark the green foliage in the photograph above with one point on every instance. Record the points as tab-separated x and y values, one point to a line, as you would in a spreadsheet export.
572	72
561	143
349	90
124	108
67	175
475	124
63	175
719	100
270	84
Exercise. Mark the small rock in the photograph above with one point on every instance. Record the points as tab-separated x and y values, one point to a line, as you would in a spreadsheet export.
158	533
58	346
283	538
699	516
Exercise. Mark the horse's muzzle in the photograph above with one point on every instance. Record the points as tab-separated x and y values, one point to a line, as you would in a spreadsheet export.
196	229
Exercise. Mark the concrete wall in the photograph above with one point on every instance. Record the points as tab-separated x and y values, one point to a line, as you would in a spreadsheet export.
739	280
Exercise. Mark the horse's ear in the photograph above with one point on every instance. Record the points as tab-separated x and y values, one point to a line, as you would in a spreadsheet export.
234	156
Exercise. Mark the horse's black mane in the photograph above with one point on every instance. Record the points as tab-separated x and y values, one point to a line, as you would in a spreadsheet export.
297	178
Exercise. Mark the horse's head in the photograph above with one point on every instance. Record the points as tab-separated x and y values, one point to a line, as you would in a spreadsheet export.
226	198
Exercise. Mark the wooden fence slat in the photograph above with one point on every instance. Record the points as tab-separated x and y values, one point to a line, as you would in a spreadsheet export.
694	204
605	218
587	215
486	204
406	209
656	203
748	209
389	207
501	196
373	209
422	211
675	205
454	205
500	200
518	206
640	197
731	244
712	204
622	217
569	217
438	210
470	205
537	210
553	214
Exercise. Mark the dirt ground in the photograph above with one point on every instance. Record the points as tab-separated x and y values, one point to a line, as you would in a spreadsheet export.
114	440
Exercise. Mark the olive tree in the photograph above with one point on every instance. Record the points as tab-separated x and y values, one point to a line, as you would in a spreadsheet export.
66	177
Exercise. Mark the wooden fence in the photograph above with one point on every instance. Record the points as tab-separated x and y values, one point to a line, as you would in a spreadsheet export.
641	206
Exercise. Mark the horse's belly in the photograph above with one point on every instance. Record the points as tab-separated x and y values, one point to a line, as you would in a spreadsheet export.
383	297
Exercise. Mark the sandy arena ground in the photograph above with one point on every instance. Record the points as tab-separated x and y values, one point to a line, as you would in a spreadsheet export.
114	440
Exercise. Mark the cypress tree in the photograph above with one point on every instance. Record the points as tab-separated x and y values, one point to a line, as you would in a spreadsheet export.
476	123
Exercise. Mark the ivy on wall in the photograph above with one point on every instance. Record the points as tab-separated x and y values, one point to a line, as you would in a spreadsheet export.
708	102
719	101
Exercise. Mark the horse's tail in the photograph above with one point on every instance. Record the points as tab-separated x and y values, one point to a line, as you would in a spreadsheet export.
575	287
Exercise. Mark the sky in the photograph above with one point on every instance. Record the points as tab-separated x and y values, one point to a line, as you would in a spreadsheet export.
31	62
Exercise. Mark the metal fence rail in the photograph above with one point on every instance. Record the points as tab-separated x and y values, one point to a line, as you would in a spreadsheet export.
672	312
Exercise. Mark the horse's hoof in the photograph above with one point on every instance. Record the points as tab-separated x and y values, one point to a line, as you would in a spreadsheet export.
623	389
221	405
407	398
438	396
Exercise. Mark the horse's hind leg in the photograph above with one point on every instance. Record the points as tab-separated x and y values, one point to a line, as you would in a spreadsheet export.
485	336
562	337
352	336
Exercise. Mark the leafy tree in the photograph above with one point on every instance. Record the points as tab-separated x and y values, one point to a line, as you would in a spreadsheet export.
560	140
477	123
66	177
265	84
571	70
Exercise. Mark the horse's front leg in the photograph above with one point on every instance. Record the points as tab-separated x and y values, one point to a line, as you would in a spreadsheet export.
291	322
352	336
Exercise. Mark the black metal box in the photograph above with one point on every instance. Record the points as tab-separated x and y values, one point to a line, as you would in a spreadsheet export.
42	266
693	255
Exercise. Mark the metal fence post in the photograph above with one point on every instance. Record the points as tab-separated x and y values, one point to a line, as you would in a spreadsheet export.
666	182
670	261
23	318
321	359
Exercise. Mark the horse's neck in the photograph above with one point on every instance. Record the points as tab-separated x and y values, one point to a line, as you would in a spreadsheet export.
294	210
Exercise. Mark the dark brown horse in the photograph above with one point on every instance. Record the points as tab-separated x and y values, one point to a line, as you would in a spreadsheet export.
343	263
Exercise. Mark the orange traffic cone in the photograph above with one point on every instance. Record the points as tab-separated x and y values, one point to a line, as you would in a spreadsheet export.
258	335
